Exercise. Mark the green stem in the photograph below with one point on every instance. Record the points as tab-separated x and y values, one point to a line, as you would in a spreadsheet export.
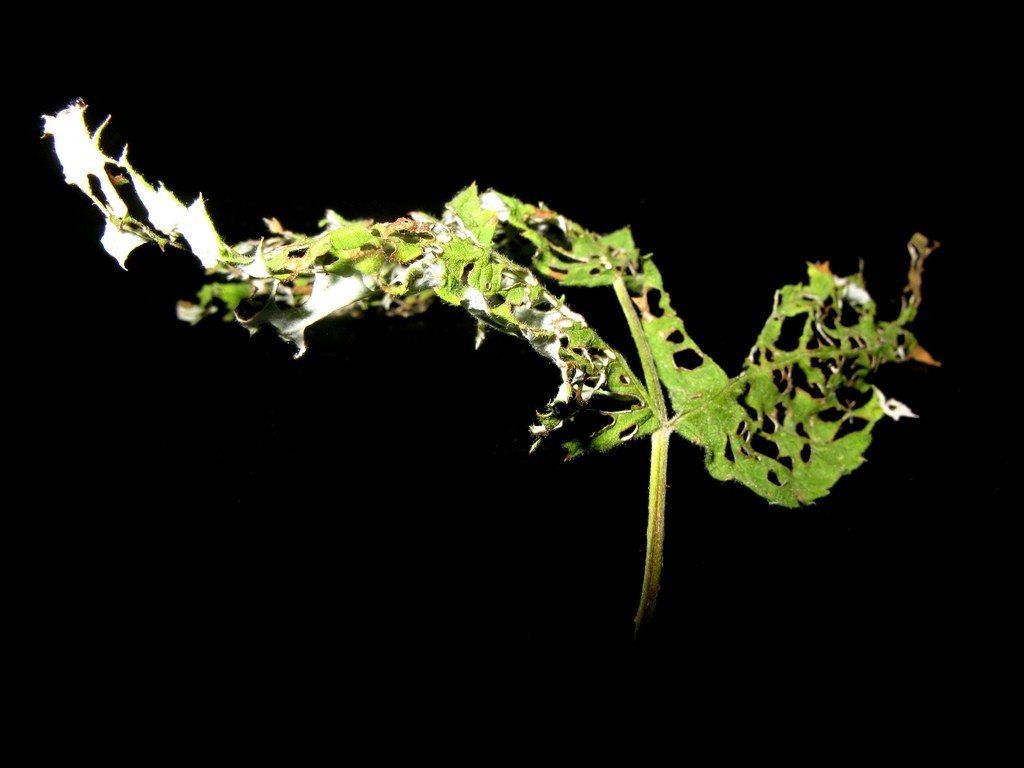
657	486
655	395
655	526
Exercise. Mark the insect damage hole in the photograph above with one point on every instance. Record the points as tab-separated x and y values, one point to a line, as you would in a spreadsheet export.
774	478
849	426
791	331
751	412
853	398
629	432
848	316
122	180
676	337
780	378
653	297
97	190
764	446
830	414
687	359
805	453
799	378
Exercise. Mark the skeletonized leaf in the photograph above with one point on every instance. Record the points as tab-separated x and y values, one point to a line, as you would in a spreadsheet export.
289	280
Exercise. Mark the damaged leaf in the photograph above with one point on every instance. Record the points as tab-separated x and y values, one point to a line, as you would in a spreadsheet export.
800	414
795	419
289	280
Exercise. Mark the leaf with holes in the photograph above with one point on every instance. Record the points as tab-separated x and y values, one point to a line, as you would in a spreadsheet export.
289	280
797	418
800	414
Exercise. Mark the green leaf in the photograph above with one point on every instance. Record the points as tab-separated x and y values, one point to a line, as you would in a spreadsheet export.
796	419
481	222
565	251
800	414
350	236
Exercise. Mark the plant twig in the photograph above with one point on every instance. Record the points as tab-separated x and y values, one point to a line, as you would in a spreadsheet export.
657	485
655	527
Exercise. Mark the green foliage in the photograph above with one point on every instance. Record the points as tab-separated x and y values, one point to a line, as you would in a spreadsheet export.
798	417
795	419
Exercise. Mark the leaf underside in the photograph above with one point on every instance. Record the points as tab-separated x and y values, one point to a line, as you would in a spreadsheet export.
797	418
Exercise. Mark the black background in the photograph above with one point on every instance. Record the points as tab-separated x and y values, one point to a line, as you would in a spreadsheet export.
203	499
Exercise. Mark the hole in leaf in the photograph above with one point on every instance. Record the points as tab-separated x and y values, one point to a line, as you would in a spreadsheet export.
805	453
543	306
786	461
764	446
603	402
828	317
563	341
557	273
824	365
850	316
773	478
830	414
596	271
126	191
849	426
791	331
780	414
687	359
591	423
801	431
96	189
728	451
247	309
779	380
755	357
813	342
769	355
628	432
741	428
746	406
767	425
799	377
676	337
654	303
851	369
852	398
553	234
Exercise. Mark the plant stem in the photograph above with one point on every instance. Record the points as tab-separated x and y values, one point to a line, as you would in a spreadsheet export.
657	399
657	487
655	526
